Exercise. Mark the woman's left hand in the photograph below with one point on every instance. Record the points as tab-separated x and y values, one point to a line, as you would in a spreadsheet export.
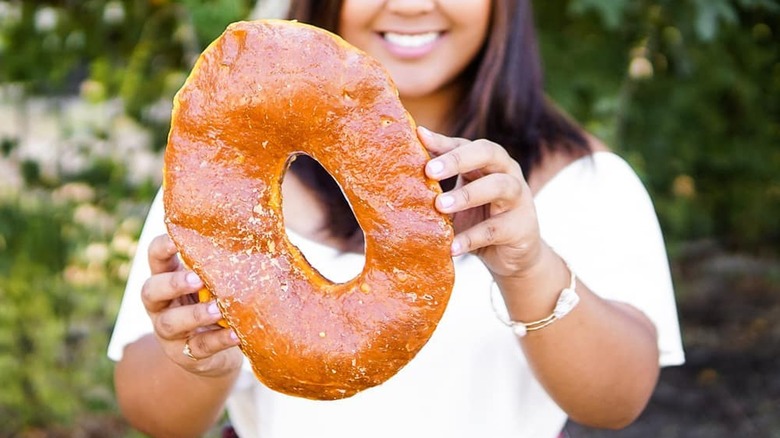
491	204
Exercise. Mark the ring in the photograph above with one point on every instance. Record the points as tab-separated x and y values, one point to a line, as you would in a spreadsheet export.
187	351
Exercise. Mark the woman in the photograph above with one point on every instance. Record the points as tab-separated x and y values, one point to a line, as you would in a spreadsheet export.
520	180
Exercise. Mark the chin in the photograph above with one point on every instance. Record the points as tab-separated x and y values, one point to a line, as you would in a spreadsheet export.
415	91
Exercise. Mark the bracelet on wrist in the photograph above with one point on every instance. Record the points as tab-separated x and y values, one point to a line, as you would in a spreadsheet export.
567	300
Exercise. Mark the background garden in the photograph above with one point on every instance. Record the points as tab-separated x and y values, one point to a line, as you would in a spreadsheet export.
687	90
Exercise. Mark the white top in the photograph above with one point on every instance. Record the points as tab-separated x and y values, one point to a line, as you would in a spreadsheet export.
471	379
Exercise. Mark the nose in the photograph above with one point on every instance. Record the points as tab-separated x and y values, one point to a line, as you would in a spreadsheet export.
411	7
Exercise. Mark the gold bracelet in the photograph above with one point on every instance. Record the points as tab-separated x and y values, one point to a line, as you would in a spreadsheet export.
567	300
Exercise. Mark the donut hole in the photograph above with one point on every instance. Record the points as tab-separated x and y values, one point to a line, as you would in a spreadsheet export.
339	223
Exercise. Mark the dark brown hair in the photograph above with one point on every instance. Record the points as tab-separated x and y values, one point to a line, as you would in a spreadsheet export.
505	103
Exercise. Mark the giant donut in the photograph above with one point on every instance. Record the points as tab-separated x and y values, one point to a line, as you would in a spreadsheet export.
262	93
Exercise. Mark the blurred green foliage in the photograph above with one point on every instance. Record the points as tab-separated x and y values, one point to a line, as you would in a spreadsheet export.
139	50
39	333
687	90
67	234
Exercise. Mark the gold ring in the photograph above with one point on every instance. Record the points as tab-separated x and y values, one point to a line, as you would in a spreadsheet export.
187	351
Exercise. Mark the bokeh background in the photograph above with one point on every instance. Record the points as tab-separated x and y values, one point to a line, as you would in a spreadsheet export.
687	90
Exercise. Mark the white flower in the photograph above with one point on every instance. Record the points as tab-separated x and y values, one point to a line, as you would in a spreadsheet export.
640	68
93	218
131	225
145	166
123	271
45	19
114	13
10	13
270	9
159	111
11	181
74	192
89	276
96	253
123	245
128	136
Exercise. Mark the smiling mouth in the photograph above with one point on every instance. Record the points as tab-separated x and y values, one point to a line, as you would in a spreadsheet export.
410	40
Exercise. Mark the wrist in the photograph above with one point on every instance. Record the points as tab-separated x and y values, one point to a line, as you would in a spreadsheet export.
533	294
567	300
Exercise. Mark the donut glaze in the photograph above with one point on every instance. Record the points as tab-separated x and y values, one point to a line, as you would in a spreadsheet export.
262	93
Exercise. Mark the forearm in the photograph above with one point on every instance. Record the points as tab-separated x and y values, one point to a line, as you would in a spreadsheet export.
600	362
161	399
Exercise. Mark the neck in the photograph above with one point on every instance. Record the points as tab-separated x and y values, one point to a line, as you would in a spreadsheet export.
432	110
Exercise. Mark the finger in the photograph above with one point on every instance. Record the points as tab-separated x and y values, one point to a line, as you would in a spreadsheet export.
438	144
158	290
473	159
503	192
209	343
180	322
162	255
486	233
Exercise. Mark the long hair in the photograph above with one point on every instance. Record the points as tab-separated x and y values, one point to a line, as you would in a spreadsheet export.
506	102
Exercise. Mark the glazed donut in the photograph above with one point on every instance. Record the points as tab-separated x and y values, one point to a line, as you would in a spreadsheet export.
261	94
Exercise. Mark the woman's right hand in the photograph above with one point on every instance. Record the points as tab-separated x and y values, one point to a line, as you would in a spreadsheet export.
180	321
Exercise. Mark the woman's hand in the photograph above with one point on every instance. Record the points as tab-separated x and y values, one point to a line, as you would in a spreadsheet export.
491	205
495	218
181	323
160	390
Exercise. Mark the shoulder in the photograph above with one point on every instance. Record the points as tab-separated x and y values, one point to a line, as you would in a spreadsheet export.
555	161
601	184
598	196
598	208
596	145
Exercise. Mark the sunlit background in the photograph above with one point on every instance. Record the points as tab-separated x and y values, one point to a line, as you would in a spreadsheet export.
687	90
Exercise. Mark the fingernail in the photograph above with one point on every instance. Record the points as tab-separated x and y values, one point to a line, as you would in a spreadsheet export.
435	167
233	335
213	308
193	279
455	248
446	201
425	132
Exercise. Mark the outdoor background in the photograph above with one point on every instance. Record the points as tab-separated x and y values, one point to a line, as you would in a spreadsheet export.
687	90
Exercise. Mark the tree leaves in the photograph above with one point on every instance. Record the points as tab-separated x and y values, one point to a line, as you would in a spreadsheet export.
210	16
610	11
710	14
706	113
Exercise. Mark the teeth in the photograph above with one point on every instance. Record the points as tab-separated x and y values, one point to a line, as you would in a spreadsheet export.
407	40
